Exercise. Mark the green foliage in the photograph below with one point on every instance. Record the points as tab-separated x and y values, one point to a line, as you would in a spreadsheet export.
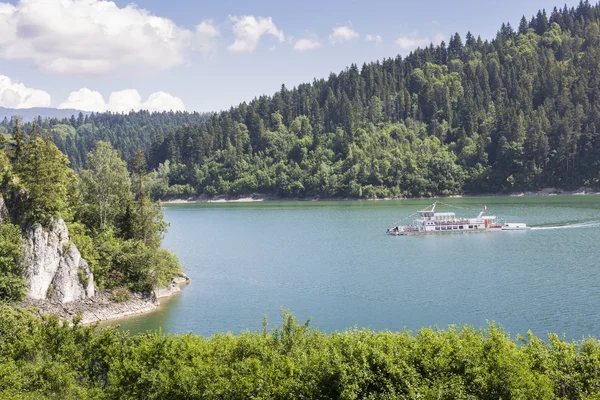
515	113
78	135
105	187
12	281
44	181
118	232
49	291
84	243
131	263
121	230
42	358
82	278
5	169
121	294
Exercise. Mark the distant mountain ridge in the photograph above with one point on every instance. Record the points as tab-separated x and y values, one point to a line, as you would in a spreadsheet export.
76	133
29	114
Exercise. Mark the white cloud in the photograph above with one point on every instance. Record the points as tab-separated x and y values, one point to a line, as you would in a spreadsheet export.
86	100
122	101
307	44
411	42
342	34
248	30
374	38
17	95
95	36
206	37
161	101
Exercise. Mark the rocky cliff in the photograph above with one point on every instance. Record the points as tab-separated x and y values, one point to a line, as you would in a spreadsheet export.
54	268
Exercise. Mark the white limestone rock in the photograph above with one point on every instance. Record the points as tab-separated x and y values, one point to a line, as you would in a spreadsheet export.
54	268
173	287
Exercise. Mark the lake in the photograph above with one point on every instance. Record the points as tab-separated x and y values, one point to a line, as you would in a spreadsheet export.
332	261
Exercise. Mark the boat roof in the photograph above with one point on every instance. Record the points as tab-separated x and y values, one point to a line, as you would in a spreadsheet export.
444	214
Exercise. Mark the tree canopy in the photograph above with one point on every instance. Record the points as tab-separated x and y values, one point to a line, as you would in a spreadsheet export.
76	136
519	112
42	358
117	231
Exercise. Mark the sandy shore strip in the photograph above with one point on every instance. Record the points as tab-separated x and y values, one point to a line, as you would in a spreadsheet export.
255	197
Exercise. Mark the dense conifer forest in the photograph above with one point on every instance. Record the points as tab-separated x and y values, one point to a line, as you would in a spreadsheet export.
519	112
76	136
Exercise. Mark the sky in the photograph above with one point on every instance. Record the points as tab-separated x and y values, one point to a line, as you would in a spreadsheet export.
97	55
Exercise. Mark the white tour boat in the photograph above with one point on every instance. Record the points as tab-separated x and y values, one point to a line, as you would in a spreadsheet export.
433	222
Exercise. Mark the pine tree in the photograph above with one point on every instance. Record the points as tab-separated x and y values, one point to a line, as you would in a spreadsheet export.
523	26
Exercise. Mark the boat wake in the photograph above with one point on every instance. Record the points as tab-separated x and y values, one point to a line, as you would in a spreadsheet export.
589	224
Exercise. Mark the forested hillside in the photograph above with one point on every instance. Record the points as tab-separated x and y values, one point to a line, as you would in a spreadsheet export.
518	112
77	135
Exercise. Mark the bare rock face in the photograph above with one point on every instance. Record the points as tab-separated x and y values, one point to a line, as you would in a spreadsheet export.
54	268
173	287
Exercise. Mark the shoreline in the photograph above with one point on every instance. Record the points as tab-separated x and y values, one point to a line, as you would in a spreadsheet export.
256	197
102	308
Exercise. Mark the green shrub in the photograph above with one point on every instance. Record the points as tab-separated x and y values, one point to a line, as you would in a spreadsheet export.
121	294
12	281
82	278
49	291
43	358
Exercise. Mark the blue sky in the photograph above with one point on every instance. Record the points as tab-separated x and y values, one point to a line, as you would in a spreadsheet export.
207	56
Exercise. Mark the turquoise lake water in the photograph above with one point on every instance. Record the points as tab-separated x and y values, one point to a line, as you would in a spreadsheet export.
333	262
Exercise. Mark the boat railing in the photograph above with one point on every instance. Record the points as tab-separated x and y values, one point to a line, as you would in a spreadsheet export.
453	222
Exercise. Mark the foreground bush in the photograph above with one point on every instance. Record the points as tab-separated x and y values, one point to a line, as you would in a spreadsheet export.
42	358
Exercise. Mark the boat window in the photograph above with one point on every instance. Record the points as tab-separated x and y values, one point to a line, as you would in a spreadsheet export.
462	227
470	226
437	228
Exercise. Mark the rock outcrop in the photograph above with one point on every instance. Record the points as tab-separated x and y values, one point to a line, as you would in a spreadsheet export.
103	307
60	281
173	287
54	268
97	309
